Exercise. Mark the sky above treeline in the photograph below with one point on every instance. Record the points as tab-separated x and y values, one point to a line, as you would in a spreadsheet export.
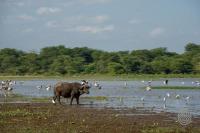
110	25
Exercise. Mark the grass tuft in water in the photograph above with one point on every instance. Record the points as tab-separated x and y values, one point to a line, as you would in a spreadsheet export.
97	98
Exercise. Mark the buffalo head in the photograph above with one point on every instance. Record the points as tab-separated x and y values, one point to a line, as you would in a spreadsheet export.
85	88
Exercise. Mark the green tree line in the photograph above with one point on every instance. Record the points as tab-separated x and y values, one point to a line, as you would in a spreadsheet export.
59	60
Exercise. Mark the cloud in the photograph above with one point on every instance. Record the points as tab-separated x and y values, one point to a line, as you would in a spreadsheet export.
75	21
157	31
13	3
52	24
47	10
94	29
27	30
20	4
87	24
101	18
84	2
89	2
134	21
26	17
87	19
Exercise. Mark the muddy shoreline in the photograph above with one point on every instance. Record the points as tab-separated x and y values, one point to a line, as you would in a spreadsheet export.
46	117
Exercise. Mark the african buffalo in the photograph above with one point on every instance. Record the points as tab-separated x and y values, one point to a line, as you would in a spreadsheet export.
73	90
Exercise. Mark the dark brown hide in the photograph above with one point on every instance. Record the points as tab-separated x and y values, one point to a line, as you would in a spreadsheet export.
72	90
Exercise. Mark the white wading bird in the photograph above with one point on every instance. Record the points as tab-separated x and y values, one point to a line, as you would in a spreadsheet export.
177	96
96	84
48	87
164	99
125	84
148	88
168	94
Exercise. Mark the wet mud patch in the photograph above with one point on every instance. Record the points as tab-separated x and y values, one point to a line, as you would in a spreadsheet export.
46	117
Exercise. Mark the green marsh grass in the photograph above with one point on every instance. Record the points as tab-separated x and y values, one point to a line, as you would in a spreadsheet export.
20	113
99	76
175	87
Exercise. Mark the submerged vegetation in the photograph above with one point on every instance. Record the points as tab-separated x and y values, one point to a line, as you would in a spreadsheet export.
97	98
61	61
175	87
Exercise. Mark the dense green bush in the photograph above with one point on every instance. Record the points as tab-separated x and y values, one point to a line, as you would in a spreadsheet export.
59	60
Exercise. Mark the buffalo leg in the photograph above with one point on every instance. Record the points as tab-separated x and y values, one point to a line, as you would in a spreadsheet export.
72	97
77	100
59	99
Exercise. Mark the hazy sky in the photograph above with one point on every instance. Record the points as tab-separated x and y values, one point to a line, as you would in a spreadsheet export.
110	25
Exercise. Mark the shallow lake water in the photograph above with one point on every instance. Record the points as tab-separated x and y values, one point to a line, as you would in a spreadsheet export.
126	94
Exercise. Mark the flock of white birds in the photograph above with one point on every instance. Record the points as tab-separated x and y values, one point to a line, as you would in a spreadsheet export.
8	86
